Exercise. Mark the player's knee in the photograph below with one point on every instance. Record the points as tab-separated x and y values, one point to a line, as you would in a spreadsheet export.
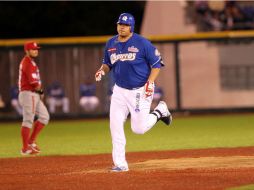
137	129
27	123
44	118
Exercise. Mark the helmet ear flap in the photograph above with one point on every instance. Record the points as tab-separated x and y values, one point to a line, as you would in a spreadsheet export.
131	28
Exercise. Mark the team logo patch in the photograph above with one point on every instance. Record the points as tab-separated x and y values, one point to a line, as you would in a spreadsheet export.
157	53
122	57
125	18
111	49
133	49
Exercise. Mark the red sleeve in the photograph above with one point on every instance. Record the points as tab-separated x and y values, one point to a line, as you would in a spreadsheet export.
31	72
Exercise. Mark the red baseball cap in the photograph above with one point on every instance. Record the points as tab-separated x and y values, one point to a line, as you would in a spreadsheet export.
31	45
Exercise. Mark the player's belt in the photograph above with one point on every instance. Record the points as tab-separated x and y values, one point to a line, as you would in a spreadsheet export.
135	88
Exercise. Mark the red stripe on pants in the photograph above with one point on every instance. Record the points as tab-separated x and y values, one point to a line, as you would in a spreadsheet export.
33	107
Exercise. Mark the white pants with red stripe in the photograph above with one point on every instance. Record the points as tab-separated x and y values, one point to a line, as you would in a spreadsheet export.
123	102
32	105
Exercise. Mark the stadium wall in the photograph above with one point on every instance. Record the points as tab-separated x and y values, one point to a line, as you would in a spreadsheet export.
205	81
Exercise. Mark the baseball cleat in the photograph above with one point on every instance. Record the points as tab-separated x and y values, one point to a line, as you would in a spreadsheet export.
119	169
163	113
28	151
167	120
35	147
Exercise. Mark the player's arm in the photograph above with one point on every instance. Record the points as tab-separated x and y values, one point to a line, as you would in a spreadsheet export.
33	79
106	64
102	71
156	63
39	90
149	86
105	68
154	74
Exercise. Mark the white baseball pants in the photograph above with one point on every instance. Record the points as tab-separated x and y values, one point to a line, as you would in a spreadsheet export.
123	102
32	105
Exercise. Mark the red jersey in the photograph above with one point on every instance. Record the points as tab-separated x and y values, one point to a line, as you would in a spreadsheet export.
29	76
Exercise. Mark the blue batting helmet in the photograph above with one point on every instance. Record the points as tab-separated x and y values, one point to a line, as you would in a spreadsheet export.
127	18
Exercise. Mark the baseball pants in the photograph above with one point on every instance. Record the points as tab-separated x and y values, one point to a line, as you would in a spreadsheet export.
32	105
123	102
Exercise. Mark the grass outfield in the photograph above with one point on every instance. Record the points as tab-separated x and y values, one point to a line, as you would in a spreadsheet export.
93	137
247	187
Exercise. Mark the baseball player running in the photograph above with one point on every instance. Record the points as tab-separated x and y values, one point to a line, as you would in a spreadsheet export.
135	64
30	95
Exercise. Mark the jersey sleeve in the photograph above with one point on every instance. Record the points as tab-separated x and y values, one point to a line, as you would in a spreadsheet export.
106	58
153	55
32	74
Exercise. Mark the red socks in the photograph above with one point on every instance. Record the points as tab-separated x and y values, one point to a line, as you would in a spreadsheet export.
37	128
25	132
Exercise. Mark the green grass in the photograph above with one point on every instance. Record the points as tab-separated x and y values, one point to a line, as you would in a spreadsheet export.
247	187
93	137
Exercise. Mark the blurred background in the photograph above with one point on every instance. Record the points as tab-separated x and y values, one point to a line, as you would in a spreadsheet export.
207	47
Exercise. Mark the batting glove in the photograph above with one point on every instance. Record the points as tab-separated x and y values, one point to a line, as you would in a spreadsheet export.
99	74
149	88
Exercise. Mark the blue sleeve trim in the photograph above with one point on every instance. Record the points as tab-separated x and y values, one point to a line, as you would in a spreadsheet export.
156	65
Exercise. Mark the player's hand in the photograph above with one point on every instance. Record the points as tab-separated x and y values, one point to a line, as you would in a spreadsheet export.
99	74
149	88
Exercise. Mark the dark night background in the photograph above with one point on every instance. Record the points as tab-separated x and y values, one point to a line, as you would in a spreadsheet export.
64	18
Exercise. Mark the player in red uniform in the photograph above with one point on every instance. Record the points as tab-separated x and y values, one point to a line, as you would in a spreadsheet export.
30	95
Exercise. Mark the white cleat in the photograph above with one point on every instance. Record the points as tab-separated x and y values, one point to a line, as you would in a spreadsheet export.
28	151
163	113
119	169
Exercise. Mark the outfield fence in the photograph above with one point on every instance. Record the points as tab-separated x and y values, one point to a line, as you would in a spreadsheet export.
203	72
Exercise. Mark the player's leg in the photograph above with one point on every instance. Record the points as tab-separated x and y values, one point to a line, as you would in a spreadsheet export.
88	104
162	113
66	105
94	102
19	109
83	102
27	101
118	115
52	104
39	124
139	106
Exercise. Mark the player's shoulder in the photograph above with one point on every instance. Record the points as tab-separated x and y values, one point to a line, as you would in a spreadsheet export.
25	61
112	39
141	39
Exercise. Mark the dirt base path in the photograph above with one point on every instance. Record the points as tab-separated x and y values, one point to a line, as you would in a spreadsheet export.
204	169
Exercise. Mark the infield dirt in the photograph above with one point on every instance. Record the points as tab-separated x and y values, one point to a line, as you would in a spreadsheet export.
205	169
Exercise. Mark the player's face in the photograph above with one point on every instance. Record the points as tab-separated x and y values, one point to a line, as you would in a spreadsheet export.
123	30
33	53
